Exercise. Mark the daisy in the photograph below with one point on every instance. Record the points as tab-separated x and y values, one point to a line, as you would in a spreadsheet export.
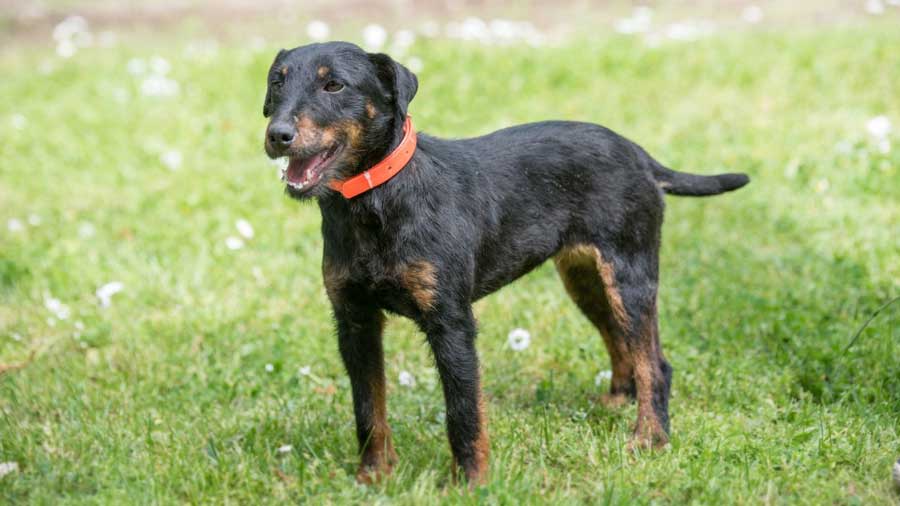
518	339
374	36
244	228
105	293
407	379
318	30
602	376
234	243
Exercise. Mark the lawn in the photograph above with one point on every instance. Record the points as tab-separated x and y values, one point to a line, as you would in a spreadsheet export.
213	375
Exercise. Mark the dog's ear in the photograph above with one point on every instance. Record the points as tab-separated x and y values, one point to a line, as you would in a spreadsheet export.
267	105
401	82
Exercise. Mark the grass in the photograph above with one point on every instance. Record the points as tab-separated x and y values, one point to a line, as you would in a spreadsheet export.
165	397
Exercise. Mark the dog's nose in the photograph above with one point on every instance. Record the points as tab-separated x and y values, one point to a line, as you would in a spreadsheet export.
281	134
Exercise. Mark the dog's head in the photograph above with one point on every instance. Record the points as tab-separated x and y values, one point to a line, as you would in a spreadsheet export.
333	108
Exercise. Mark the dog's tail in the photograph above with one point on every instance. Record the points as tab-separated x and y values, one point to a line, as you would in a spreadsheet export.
693	185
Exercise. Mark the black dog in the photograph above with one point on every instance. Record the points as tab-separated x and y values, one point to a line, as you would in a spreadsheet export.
462	219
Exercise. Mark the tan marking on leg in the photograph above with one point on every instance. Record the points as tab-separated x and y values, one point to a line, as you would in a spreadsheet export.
478	475
371	112
323	71
648	432
334	276
420	279
578	254
379	456
582	272
612	291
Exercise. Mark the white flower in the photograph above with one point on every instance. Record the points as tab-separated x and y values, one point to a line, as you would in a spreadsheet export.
79	325
34	220
688	30
430	29
304	371
519	339
105	293
56	307
318	30
18	121
415	64
285	449
822	186
120	94
159	86
270	367
136	66
159	66
752	14
874	6
404	38
86	230
879	126
602	376
171	159
884	146
106	38
15	225
234	243
8	467
69	27
407	379
374	36
639	22
244	228
66	49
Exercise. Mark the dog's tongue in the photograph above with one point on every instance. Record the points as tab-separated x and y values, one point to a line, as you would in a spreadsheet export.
298	170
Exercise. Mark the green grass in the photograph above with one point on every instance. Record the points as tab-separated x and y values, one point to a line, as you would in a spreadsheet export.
164	397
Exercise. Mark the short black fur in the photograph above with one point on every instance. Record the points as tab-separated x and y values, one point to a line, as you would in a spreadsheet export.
463	219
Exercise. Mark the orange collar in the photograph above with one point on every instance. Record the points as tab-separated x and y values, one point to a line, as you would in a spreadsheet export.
382	171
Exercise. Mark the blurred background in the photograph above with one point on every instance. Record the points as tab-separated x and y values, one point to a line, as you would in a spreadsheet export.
165	336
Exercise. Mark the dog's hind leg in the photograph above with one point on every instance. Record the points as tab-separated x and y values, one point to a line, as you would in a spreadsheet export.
618	293
581	269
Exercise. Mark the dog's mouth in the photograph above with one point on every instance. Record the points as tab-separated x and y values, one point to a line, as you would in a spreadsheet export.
303	173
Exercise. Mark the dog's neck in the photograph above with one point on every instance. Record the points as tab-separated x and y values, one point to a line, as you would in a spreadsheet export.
376	206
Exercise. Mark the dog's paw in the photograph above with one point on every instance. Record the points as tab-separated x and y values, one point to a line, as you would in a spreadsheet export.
614	401
650	436
375	468
370	475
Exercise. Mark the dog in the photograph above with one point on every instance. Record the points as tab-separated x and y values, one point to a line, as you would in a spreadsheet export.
421	227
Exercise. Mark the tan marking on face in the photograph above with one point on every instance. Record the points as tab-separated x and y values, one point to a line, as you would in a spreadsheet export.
284	70
329	134
323	71
352	132
420	280
335	277
581	255
371	112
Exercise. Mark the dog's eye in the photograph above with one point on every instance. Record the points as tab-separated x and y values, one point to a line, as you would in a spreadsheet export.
275	85
333	87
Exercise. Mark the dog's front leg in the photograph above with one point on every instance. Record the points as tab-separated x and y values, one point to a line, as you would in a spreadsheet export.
359	337
451	334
